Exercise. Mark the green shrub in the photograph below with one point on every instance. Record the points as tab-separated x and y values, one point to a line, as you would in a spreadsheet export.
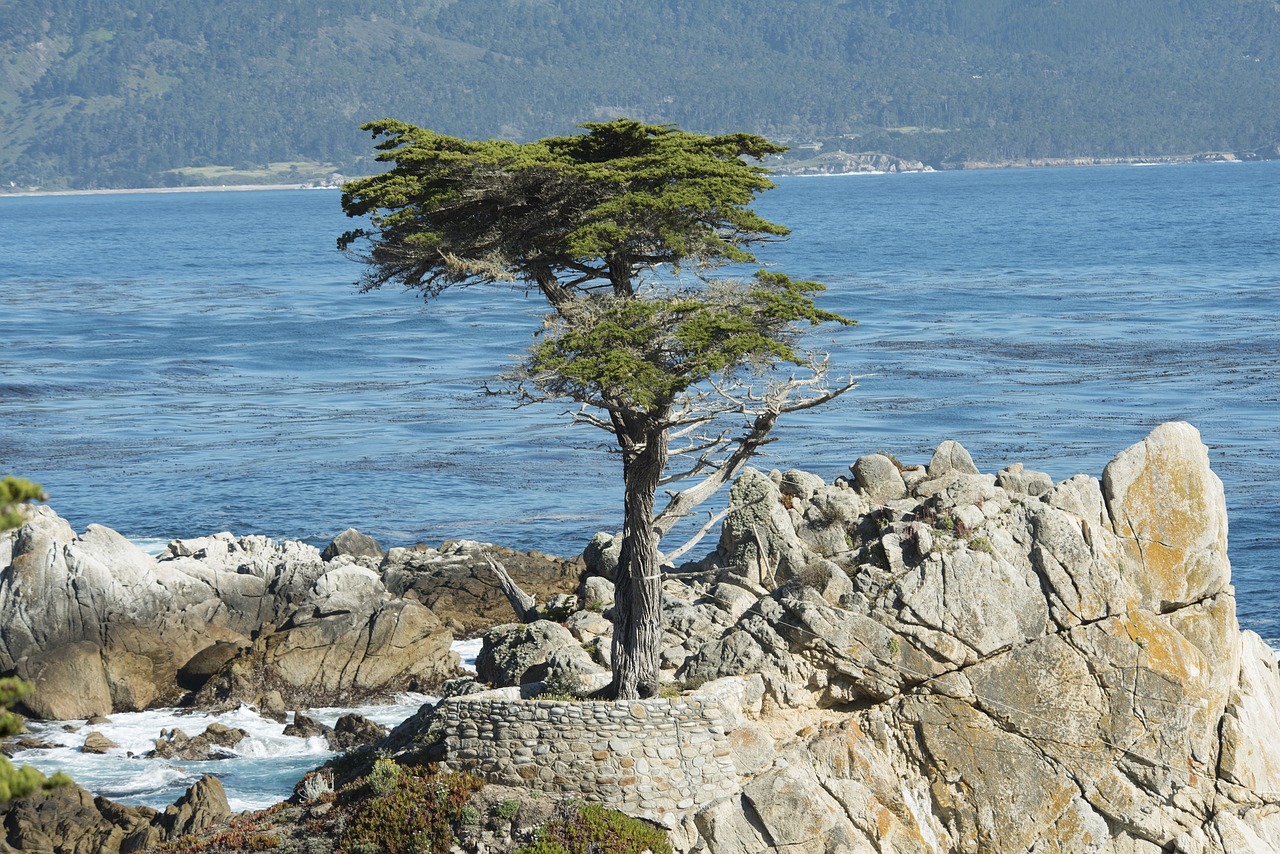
562	683
588	828
408	812
12	689
982	544
384	776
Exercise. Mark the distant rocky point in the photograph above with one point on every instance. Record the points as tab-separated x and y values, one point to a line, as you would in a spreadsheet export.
847	163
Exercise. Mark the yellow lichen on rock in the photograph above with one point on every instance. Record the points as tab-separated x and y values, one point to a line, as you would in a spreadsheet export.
1169	509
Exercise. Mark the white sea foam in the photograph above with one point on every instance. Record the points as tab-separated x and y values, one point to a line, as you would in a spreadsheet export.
468	650
152	547
258	772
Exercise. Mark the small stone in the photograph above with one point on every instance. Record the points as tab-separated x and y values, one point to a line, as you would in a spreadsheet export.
96	742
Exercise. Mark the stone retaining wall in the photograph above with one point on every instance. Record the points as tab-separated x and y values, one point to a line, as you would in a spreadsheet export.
648	758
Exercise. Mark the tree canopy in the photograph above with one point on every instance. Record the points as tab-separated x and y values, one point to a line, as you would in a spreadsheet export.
620	229
568	214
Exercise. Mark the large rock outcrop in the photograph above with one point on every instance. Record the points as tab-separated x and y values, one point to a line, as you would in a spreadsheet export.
98	625
953	661
1015	666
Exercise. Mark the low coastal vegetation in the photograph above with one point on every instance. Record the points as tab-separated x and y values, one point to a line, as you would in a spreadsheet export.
395	809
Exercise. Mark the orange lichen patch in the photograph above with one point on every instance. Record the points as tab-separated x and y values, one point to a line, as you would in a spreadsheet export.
1163	650
1168	504
884	822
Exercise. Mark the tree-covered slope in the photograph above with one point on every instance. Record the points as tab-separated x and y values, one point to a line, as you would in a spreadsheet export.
120	93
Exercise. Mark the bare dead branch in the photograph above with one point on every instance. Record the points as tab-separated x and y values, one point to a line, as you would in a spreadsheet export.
582	416
771	405
764	559
525	606
714	518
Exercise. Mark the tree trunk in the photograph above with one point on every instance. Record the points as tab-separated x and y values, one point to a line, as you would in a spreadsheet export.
637	610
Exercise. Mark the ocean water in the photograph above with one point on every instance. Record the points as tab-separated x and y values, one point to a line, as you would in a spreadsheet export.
180	364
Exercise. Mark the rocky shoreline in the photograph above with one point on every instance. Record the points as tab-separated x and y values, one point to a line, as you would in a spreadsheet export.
825	163
909	659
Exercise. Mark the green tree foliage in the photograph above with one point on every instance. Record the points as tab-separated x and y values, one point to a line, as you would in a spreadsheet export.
13	493
640	352
617	228
108	94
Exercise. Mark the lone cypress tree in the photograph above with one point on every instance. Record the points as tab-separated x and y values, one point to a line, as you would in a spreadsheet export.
617	228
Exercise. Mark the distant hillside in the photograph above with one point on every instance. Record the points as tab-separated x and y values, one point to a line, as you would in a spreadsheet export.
148	92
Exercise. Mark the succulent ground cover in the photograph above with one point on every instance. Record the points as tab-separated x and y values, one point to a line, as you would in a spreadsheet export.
402	809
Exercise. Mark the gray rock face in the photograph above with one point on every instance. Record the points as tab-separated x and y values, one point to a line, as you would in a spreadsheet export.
96	742
353	730
71	819
203	805
71	679
1018	667
878	479
205	663
1016	478
1168	508
759	535
602	553
520	654
214	743
303	726
325	655
99	625
951	457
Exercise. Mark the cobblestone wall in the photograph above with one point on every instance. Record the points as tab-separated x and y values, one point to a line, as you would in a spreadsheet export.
648	758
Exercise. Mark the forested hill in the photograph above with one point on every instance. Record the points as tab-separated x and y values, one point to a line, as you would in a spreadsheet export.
124	92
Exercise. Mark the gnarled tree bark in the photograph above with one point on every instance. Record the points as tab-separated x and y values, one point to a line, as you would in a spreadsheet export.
637	610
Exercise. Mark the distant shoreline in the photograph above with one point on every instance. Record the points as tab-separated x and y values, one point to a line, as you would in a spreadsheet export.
222	188
801	169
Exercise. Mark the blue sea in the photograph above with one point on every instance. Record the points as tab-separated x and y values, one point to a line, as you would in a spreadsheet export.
176	364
